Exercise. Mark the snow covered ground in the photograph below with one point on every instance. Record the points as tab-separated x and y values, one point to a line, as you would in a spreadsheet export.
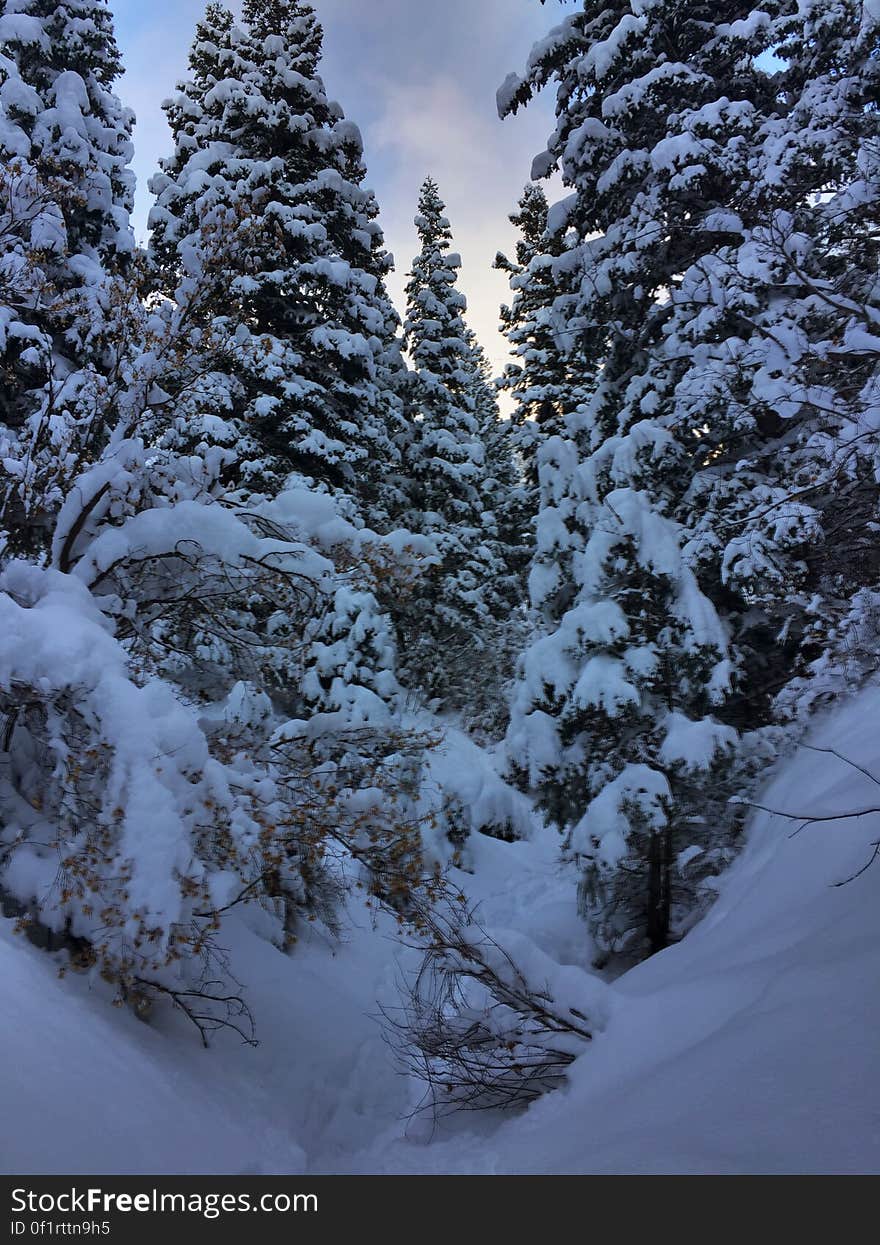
750	1047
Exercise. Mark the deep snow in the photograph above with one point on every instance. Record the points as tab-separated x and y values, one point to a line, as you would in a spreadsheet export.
749	1047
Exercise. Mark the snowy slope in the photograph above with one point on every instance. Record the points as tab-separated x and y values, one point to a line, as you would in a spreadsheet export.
751	1046
92	1089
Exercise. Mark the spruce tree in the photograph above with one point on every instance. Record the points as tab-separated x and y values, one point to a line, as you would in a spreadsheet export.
264	196
448	456
444	624
64	235
267	246
780	330
548	382
617	721
544	380
503	491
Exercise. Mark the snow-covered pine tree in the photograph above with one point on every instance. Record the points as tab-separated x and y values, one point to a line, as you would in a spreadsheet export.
543	382
264	195
781	329
506	540
444	624
65	196
505	515
350	681
262	214
548	382
615	723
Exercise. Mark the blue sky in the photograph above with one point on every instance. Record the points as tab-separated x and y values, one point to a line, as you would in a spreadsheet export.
419	78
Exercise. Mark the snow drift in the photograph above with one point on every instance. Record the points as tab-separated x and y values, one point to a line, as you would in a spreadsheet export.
749	1047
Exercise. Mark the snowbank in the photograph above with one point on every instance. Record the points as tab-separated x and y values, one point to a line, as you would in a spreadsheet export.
752	1045
749	1047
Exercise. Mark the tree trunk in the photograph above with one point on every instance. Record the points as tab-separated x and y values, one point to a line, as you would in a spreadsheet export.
659	887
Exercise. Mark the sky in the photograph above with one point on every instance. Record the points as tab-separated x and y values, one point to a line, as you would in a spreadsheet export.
419	78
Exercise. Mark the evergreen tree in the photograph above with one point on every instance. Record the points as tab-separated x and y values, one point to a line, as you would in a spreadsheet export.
351	669
505	523
443	625
504	497
544	380
615	722
548	382
780	330
448	456
264	195
269	248
65	196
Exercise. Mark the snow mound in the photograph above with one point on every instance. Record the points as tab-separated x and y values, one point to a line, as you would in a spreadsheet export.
751	1047
92	1090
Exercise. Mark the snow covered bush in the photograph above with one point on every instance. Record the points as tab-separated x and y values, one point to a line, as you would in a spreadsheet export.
119	825
145	788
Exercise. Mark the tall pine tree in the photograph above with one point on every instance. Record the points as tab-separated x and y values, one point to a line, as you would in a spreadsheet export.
548	382
779	327
544	379
617	720
65	144
504	495
263	196
445	624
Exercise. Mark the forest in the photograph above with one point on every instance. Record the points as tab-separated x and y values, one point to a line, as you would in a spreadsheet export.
414	752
